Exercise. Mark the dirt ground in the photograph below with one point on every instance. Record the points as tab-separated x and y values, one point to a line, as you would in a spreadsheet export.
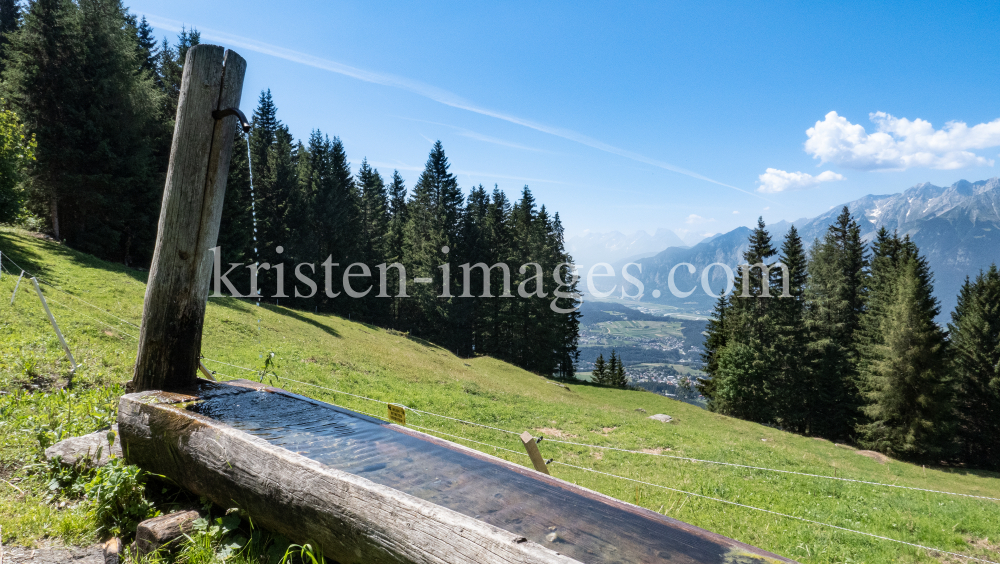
53	555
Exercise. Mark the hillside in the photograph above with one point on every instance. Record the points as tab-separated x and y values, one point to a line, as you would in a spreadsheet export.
331	352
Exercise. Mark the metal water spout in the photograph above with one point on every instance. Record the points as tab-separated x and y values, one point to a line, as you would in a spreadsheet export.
219	114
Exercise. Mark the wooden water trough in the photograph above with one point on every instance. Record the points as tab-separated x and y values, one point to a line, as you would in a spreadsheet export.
369	491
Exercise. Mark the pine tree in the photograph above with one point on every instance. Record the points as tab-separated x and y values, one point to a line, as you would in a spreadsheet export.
716	338
471	312
395	242
741	383
975	346
616	373
74	77
908	391
565	310
886	258
600	373
236	227
431	229
171	69
374	227
10	21
374	213
835	293
148	51
497	326
791	368
338	221
612	371
753	323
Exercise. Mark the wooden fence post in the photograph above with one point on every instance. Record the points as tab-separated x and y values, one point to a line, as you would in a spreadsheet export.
59	334
14	295
531	445
174	309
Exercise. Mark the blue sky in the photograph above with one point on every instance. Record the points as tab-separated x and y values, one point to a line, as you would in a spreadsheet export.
634	116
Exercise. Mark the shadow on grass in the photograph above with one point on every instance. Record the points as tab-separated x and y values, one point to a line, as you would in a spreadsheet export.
245	305
17	244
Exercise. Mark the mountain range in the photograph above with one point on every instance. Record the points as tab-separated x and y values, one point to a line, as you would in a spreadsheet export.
956	227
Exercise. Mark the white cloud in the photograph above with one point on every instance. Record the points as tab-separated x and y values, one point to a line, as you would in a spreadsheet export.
735	212
695	219
774	180
899	144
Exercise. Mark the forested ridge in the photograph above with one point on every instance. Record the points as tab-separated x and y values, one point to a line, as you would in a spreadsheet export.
853	352
97	92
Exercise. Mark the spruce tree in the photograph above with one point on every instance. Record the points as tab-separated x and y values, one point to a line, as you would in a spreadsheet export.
909	390
148	51
741	387
498	321
612	371
791	368
600	372
616	375
236	227
716	338
566	313
394	243
374	213
835	292
374	216
753	323
302	218
339	221
74	77
10	21
471	311
432	228
171	65
975	361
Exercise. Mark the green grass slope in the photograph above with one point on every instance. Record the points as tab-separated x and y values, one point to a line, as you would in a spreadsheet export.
331	352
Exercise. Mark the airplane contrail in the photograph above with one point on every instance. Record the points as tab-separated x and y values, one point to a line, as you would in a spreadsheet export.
432	92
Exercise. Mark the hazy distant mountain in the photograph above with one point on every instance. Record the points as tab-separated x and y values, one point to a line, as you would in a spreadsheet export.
591	248
957	228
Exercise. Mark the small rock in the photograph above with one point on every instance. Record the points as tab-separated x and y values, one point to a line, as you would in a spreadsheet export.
112	551
641	410
158	532
92	450
662	417
551	537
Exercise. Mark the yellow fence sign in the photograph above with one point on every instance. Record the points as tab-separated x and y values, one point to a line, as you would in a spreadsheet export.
397	414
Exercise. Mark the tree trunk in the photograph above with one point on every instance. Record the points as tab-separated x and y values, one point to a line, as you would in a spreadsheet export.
54	212
174	310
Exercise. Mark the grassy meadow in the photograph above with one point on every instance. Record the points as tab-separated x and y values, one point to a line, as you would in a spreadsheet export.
332	352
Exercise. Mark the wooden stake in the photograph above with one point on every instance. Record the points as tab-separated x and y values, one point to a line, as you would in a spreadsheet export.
59	334
174	310
205	371
14	295
536	457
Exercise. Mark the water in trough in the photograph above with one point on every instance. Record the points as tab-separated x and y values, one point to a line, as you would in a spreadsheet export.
575	522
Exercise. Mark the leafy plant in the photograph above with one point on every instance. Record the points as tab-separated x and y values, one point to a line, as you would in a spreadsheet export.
306	554
117	495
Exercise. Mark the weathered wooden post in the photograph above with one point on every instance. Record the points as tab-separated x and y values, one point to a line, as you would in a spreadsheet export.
174	310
